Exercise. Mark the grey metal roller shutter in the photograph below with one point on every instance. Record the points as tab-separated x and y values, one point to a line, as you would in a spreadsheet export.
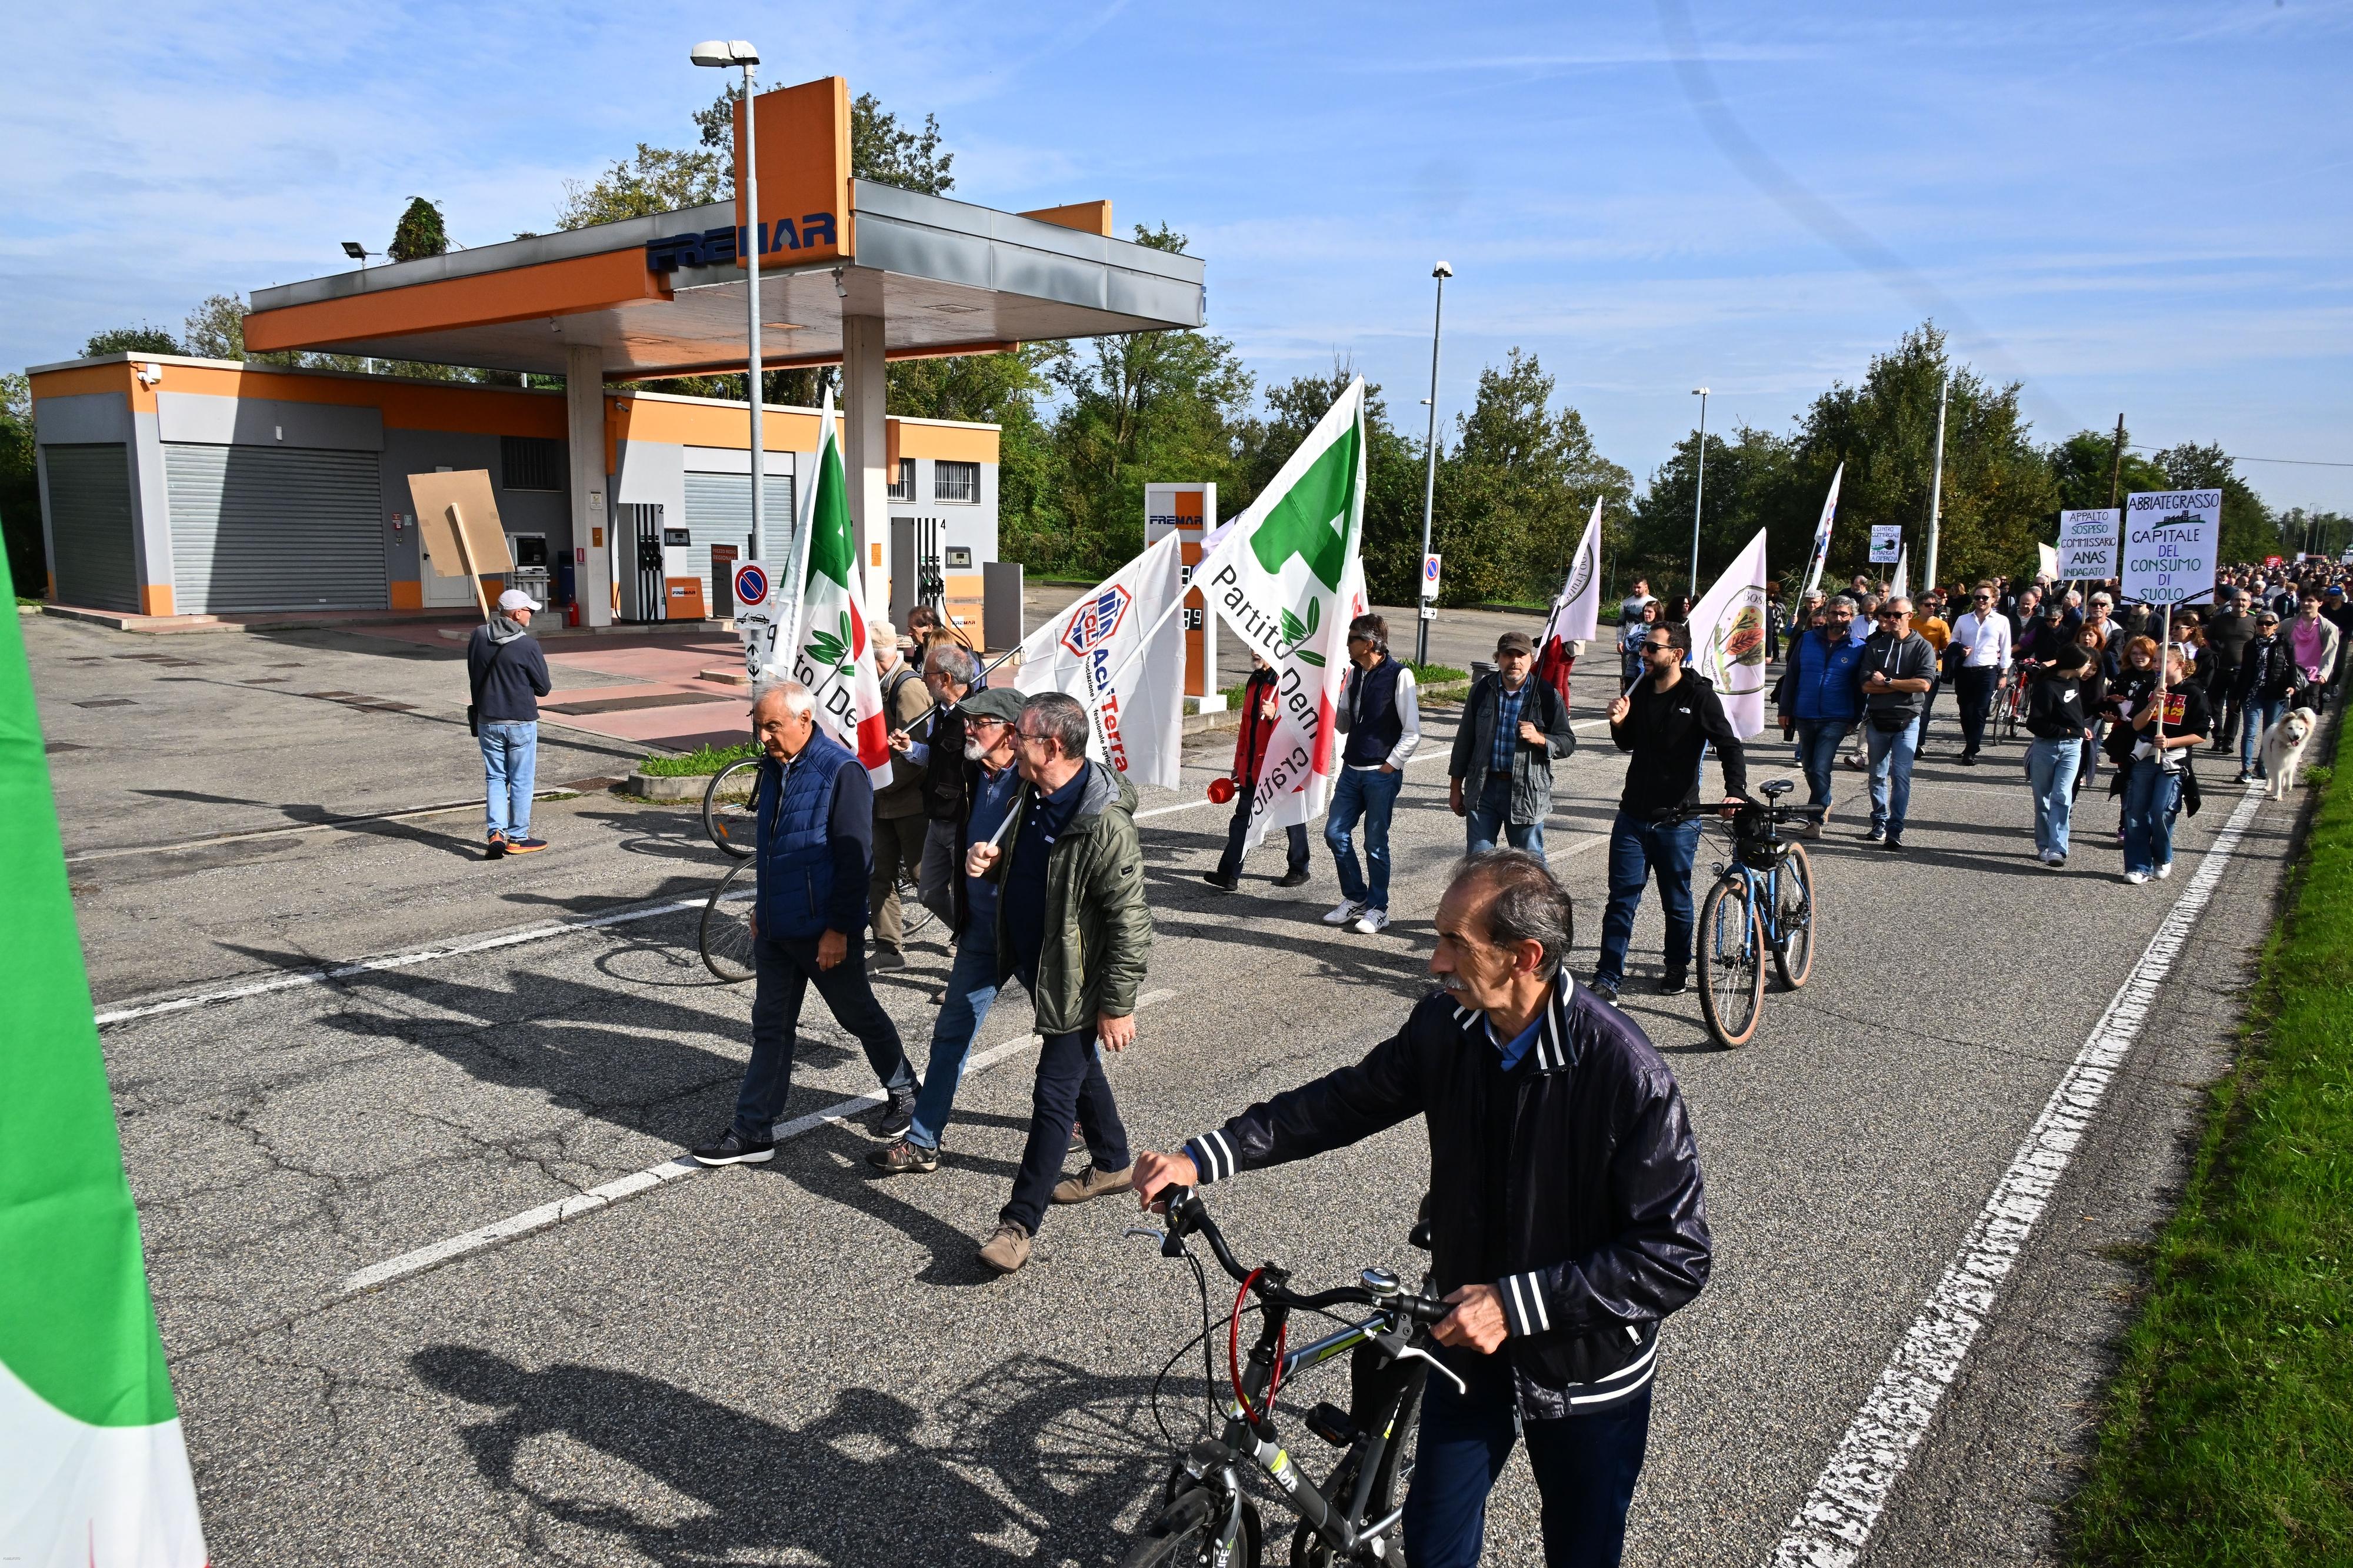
97	565
275	528
719	511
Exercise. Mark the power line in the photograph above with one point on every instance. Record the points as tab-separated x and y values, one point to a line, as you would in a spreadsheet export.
2300	462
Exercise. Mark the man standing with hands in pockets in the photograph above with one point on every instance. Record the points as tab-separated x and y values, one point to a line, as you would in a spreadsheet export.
1072	925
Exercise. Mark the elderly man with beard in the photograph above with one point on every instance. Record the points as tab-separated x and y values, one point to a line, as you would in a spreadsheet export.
990	783
1567	1213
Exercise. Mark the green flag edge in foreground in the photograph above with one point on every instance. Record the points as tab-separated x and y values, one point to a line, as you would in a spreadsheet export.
76	1324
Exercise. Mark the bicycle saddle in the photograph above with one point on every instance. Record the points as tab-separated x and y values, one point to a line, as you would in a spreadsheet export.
1776	789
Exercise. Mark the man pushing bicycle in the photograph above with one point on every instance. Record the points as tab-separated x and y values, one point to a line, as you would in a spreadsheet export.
1567	1213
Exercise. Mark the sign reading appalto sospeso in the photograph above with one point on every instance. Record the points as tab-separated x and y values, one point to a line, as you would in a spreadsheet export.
2172	538
2088	544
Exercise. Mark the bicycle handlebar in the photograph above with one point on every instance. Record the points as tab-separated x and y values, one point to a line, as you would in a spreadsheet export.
1189	1214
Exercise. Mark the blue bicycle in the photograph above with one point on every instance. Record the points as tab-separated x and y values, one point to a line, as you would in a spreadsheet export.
1763	900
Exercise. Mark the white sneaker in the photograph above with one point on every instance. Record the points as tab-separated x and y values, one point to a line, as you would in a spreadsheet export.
1370	922
2135	878
1343	911
2043	855
2165	870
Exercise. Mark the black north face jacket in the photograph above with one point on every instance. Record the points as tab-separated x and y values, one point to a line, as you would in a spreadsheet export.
1606	1223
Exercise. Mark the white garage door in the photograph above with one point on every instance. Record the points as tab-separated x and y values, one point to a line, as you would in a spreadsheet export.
275	528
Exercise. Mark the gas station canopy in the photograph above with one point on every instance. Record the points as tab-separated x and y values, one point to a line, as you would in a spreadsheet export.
664	294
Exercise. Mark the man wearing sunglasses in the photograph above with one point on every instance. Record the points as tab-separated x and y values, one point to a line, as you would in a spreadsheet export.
1899	667
1984	638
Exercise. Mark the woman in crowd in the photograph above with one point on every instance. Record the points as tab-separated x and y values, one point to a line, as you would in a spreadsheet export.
2058	717
2096	679
1631	638
2157	732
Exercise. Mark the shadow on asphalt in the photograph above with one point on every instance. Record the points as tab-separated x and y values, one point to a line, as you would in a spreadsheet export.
873	1480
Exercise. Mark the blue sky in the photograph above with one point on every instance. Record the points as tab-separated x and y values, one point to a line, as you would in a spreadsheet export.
2141	208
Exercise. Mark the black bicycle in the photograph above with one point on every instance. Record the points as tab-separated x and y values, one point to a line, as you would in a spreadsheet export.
1206	1520
1763	902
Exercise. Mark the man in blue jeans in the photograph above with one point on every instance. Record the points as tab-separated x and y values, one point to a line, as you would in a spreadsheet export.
1821	697
1382	719
508	676
1667	721
1512	726
814	810
1898	669
987	720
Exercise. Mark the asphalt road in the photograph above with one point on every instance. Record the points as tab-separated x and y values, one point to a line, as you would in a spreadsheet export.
801	1363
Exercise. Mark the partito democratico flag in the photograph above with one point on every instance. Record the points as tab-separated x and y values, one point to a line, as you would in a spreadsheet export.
1821	548
1727	636
93	1469
1288	575
832	654
1120	650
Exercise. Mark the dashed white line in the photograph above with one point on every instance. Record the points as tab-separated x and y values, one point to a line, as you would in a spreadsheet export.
652	1176
1834	1523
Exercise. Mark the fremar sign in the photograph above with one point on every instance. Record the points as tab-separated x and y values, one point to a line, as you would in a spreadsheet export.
720	246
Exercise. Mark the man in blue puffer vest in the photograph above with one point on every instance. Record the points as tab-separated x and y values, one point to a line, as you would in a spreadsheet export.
814	806
1821	697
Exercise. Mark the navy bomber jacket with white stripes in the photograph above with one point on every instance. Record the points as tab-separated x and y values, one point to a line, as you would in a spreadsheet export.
1605	1230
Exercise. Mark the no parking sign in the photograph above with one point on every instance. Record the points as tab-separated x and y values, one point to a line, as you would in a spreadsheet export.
1429	576
759	615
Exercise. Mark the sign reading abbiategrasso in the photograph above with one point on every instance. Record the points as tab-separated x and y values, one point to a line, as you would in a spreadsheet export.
2171	541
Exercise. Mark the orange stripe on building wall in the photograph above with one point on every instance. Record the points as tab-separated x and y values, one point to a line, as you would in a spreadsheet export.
712	425
957	444
579	283
90	380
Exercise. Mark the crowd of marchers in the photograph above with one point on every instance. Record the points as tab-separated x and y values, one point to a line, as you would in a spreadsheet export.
1567	1209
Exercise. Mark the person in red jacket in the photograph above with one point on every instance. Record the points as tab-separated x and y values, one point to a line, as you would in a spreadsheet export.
1259	709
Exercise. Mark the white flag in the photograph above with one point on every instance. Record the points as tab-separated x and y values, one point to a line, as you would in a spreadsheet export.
832	654
1288	575
1577	611
1727	636
2046	562
1823	532
1120	652
1900	585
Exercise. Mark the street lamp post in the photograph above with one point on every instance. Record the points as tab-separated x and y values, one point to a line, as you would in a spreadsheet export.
1699	490
720	54
1429	470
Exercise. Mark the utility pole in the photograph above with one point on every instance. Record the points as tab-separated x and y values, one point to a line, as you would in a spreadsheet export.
2116	473
1429	475
1699	492
1937	479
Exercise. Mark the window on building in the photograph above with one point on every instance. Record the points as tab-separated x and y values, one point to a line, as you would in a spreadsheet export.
956	481
903	487
530	463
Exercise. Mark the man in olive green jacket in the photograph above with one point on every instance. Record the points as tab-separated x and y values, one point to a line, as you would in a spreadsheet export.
1072	926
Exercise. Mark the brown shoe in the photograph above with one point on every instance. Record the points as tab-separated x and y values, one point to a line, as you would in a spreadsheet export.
1007	1249
1092	1183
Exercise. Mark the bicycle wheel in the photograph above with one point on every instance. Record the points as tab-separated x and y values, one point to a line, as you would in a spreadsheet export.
1190	1533
1731	969
726	933
1793	917
727	806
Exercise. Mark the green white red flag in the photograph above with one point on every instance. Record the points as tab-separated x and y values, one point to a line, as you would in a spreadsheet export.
92	1467
1288	574
832	654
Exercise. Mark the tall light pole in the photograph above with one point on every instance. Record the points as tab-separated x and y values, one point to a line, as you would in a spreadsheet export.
1699	490
720	54
1936	479
1429	470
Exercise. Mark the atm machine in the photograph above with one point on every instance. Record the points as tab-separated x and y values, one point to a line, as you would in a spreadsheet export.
531	573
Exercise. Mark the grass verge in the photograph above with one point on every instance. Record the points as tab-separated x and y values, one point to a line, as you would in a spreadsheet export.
695	763
2228	1437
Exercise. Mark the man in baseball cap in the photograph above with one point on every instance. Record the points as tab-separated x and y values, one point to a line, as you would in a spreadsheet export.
508	675
1500	776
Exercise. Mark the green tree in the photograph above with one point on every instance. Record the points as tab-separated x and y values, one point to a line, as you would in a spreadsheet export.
2250	532
1754	480
215	330
419	233
1514	491
2084	466
655	180
20	489
143	338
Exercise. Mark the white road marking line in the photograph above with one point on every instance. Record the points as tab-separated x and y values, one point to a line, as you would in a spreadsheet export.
560	791
1834	1523
652	1176
400	961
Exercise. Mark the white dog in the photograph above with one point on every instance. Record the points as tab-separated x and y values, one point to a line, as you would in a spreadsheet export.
2283	750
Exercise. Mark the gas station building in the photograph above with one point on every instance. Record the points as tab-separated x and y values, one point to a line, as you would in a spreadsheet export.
179	488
